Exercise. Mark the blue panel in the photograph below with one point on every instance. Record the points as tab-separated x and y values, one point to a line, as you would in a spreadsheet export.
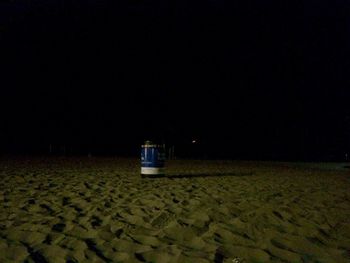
152	156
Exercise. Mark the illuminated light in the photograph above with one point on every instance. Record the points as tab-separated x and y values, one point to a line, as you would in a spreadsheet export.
194	141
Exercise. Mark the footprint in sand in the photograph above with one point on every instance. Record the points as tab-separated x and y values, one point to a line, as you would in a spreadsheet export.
77	208
96	221
119	232
47	208
162	220
30	201
87	185
58	227
66	200
108	204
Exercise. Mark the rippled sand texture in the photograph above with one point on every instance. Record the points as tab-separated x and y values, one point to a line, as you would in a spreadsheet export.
101	210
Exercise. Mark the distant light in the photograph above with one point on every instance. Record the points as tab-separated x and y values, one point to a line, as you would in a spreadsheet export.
194	141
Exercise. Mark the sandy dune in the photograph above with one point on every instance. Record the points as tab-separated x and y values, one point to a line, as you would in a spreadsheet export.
101	210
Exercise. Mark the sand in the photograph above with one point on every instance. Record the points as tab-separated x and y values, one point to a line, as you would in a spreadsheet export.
100	210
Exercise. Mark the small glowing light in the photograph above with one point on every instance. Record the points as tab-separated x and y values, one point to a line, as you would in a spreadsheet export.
194	141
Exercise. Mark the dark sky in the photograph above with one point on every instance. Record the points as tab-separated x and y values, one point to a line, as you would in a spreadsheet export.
248	79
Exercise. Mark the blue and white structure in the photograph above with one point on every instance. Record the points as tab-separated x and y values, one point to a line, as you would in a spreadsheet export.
152	159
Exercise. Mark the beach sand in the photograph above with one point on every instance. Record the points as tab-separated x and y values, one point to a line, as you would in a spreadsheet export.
65	210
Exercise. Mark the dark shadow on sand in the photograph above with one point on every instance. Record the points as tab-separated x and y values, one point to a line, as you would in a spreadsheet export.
202	175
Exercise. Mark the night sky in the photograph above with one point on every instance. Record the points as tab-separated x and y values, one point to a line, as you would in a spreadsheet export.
251	79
